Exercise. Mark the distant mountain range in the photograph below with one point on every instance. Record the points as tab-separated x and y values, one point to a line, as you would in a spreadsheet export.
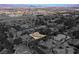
39	5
